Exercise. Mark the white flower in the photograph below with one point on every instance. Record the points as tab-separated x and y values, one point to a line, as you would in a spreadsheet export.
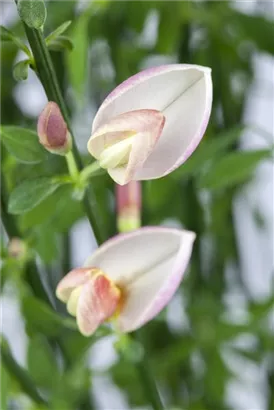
130	278
152	122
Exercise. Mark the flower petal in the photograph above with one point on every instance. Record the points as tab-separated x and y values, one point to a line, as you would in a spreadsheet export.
72	280
148	264
98	300
183	93
140	128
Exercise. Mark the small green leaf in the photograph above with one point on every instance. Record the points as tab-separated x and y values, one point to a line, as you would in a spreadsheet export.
59	211
30	193
32	12
233	169
61	43
7	35
47	373
41	318
56	33
23	144
20	70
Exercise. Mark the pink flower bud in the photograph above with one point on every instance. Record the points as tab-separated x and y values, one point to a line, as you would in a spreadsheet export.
53	131
128	201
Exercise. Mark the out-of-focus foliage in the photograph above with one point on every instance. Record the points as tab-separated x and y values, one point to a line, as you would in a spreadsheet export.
107	41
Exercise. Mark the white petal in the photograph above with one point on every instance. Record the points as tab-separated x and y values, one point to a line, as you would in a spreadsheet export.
149	263
183	93
124	143
116	154
73	300
72	280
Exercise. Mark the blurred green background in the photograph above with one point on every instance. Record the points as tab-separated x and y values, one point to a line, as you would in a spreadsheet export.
215	328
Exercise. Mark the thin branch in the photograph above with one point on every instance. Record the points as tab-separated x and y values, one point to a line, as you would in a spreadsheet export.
20	375
48	78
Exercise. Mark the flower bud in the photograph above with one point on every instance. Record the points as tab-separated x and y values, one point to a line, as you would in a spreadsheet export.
128	199
17	249
53	131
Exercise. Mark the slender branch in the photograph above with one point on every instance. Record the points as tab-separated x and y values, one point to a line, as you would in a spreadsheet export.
48	78
21	375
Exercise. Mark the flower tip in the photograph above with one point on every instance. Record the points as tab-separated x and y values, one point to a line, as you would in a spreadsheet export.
52	130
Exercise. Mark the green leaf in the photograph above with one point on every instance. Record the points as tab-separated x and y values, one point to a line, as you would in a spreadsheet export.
23	144
20	70
41	362
7	35
61	43
30	193
233	169
56	33
32	12
41	318
59	211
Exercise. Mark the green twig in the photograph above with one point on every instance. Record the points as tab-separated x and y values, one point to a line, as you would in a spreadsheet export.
21	375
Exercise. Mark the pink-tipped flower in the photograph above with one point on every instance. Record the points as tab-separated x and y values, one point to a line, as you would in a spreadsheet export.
53	131
129	279
128	204
151	123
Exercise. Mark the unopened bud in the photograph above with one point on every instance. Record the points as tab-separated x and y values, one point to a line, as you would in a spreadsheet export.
128	201
17	248
53	131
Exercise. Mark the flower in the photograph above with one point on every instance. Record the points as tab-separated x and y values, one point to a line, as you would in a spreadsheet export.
53	131
129	279
151	123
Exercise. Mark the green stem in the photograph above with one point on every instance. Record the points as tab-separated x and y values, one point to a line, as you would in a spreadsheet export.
72	166
20	374
90	170
48	78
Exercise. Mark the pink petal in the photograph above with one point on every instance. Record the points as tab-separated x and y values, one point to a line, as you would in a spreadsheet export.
144	125
149	264
183	93
98	301
72	280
